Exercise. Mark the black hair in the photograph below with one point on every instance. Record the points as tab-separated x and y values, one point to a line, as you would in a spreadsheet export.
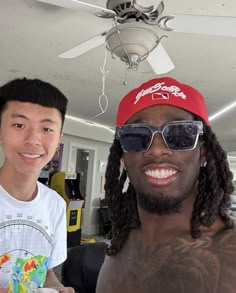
213	198
33	91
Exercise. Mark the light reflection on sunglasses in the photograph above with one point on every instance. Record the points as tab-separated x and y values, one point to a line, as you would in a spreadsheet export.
177	135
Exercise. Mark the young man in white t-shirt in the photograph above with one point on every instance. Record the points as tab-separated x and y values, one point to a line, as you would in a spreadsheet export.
32	216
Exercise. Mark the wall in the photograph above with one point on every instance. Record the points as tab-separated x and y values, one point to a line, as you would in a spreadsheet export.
76	128
1	157
99	140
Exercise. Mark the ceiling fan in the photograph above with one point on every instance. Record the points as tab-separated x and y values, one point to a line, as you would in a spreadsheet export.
133	37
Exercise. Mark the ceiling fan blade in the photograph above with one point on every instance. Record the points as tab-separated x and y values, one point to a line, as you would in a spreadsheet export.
84	47
204	24
82	6
160	61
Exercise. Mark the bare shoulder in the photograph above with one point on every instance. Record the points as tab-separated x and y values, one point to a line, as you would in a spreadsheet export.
183	265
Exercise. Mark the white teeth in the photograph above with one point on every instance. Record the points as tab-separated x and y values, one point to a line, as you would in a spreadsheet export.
30	156
160	174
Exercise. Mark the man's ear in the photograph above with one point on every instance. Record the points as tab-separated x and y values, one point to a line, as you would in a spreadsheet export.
122	163
203	161
59	142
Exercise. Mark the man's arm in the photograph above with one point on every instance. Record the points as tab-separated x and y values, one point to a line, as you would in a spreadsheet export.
53	282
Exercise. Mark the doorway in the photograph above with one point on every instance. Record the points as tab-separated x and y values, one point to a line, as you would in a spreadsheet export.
82	163
82	160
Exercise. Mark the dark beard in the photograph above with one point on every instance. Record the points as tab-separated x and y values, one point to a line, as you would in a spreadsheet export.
160	205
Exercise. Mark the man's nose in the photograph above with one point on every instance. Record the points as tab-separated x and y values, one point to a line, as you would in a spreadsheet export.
158	146
33	136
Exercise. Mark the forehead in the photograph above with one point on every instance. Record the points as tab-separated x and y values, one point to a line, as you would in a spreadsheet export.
160	113
31	111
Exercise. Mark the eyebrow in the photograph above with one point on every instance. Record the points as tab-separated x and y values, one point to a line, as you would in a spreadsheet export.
18	115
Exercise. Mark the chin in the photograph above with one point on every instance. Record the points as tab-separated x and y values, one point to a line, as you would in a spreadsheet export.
160	204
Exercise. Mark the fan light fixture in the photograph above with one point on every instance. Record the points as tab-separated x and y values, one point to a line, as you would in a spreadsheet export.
132	42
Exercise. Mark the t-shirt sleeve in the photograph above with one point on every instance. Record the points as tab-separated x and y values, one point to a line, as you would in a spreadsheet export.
59	251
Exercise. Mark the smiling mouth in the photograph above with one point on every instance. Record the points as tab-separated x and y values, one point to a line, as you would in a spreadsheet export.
161	174
30	156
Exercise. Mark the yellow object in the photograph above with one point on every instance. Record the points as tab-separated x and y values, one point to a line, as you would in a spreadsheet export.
88	240
58	184
73	214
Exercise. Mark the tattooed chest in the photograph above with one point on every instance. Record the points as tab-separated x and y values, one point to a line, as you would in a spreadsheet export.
176	268
169	272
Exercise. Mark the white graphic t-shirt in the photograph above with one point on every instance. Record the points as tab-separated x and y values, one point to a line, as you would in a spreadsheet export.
32	238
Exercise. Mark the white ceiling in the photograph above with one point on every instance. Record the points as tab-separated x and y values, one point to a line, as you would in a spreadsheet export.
33	34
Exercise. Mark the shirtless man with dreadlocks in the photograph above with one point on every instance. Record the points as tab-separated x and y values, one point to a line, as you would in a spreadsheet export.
171	229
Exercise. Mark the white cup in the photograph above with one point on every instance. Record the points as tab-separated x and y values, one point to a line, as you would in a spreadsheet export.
44	290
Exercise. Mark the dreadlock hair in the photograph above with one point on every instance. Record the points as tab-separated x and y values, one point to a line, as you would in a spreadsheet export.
213	198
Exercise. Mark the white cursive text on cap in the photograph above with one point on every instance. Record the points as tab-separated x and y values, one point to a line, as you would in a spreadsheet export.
174	90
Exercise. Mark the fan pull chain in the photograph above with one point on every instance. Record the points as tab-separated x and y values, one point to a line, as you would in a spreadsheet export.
103	95
125	81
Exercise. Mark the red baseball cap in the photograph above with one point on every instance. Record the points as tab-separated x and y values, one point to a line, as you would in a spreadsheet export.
158	91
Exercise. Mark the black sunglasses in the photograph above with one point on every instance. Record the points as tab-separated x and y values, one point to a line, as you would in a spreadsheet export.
177	135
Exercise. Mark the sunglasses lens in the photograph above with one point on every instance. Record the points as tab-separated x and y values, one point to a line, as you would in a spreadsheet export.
135	139
180	136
